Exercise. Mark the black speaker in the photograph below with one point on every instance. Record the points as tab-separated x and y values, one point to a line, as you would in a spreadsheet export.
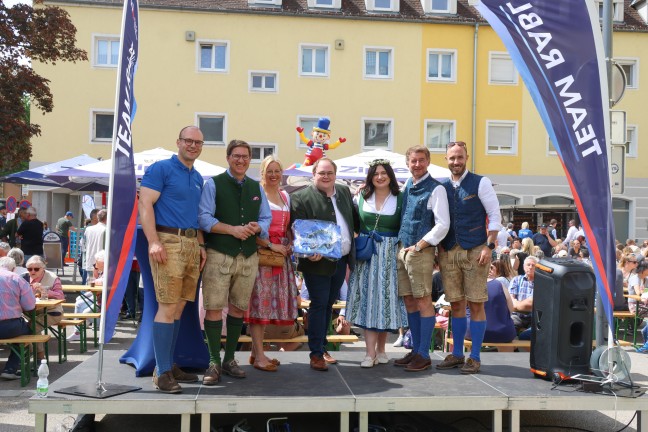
563	314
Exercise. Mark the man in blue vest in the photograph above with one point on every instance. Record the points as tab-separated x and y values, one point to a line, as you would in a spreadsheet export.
168	208
465	254
424	223
328	201
233	211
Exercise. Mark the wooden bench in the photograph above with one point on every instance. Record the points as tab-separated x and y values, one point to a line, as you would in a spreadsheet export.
62	336
627	317
23	353
86	316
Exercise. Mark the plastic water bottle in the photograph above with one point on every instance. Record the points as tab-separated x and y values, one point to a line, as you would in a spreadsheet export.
42	386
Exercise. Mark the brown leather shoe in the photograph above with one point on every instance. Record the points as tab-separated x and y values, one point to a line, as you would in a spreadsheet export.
212	375
267	368
471	367
451	362
166	383
275	362
232	369
418	363
318	363
405	360
328	358
182	376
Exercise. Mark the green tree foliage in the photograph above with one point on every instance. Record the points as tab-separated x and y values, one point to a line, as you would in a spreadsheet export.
41	33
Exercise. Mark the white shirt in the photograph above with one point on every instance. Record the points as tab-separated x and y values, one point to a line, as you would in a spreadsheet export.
571	235
502	238
438	203
489	200
94	236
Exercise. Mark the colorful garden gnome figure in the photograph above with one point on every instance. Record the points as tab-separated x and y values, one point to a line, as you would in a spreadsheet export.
319	142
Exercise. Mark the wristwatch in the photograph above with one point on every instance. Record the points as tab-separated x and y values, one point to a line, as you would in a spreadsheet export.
417	248
491	245
269	246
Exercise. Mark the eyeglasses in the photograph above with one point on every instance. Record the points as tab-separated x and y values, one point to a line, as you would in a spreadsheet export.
35	269
454	143
633	262
325	173
241	157
190	141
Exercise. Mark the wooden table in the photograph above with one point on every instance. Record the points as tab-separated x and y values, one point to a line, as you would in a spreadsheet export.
305	304
80	288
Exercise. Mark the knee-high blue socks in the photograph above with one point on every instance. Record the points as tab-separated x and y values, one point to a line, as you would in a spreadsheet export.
477	330
162	342
414	322
459	327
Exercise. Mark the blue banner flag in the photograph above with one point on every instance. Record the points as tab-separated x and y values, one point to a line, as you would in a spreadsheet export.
557	47
122	201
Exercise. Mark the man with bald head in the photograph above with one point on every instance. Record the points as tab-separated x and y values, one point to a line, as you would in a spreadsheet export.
168	208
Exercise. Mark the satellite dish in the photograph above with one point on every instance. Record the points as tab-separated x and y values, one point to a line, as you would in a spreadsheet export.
613	363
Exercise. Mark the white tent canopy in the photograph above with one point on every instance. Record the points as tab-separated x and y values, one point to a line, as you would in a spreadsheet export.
142	160
355	167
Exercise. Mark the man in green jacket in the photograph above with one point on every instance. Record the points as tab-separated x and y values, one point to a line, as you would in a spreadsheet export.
233	211
325	200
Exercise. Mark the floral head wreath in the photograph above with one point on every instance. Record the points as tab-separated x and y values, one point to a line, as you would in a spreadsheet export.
379	162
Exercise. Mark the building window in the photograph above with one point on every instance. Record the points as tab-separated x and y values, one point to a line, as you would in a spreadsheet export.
378	63
501	69
382	5
213	127
213	56
264	2
501	137
314	60
439	6
328	4
631	69
438	133
377	133
264	82
631	143
261	151
106	51
441	65
307	123
102	125
617	12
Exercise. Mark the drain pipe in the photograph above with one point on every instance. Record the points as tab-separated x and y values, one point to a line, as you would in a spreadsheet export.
474	100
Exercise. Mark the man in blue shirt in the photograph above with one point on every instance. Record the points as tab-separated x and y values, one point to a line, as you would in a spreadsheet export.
168	207
233	211
544	240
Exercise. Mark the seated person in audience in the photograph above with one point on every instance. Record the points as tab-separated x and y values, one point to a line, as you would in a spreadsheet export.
521	291
40	279
637	286
84	301
17	297
499	307
18	256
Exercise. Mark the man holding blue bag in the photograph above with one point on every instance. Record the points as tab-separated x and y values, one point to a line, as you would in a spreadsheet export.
326	201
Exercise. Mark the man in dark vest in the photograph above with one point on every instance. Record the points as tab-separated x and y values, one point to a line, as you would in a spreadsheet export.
328	201
233	211
465	254
168	209
424	223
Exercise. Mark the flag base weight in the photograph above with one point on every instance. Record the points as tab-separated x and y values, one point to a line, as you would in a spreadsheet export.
98	391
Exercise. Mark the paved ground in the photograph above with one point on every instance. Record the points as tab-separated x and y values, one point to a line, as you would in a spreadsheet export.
14	416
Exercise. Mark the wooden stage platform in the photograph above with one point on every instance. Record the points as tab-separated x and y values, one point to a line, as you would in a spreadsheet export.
504	384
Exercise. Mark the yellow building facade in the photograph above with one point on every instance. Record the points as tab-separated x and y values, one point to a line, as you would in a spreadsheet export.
386	81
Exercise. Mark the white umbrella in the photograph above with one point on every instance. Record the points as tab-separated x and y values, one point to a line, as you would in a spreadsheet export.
355	167
142	161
